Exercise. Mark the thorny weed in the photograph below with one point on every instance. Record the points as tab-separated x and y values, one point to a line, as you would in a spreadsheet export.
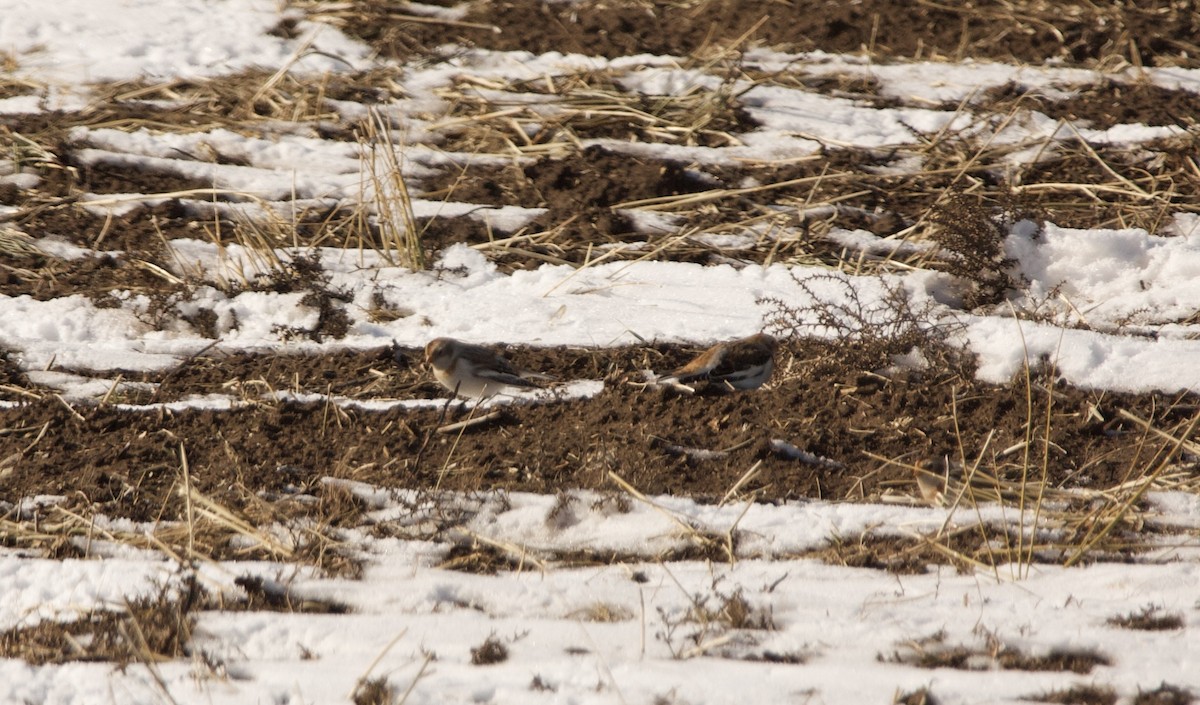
973	237
867	335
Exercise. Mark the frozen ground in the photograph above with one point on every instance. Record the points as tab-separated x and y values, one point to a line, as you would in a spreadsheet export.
590	597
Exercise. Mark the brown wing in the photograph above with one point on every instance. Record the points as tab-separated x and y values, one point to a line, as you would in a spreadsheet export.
493	366
700	366
745	354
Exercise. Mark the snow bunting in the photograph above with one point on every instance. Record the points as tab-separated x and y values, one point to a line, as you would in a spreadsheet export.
932	476
472	371
745	363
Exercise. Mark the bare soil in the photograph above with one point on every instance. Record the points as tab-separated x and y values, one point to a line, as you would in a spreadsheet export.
128	462
1152	34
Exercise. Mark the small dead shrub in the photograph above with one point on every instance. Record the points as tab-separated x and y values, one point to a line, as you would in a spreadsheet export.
374	691
268	595
562	514
481	559
916	697
602	612
894	554
1057	660
973	236
1078	695
736	612
612	503
204	321
933	652
382	310
768	656
669	698
1149	618
867	335
163	305
305	273
492	650
154	627
709	617
1165	694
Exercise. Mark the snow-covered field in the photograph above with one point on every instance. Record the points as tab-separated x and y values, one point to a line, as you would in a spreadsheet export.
591	597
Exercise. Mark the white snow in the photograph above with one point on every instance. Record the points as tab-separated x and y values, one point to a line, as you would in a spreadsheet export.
78	41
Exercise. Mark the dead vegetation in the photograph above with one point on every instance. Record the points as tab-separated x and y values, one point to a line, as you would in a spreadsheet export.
973	237
1097	34
204	529
1149	618
491	651
715	623
265	595
948	201
1078	695
585	105
146	629
917	697
249	101
1042	522
1165	694
1060	510
887	334
781	212
991	654
374	691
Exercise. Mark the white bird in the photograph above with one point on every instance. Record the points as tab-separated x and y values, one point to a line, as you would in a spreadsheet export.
745	363
473	371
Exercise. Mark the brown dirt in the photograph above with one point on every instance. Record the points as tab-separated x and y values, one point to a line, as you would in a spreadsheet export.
127	462
105	178
94	277
1106	104
1152	34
